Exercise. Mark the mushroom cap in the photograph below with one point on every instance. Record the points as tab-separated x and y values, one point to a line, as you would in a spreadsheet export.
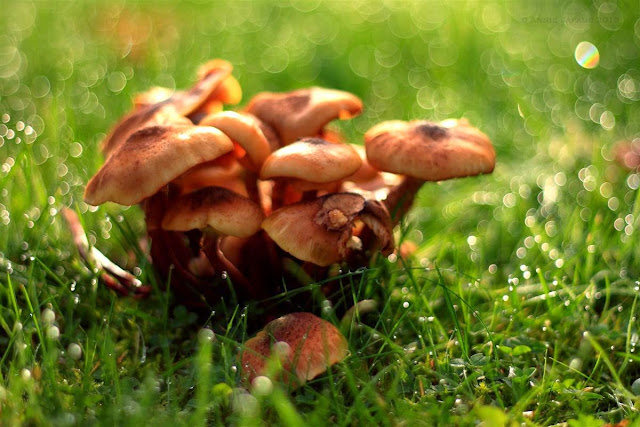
303	112
223	210
155	95
172	110
147	115
429	151
311	345
318	230
244	130
211	75
313	160
151	158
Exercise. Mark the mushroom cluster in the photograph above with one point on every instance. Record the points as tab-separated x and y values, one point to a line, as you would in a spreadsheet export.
246	197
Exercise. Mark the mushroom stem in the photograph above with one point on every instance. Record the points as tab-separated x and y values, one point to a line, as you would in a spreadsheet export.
400	198
251	182
283	194
220	263
308	196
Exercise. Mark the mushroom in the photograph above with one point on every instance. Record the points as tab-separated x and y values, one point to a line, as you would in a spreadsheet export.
151	158
321	231
172	110
309	164
244	130
217	212
252	147
426	151
303	112
305	344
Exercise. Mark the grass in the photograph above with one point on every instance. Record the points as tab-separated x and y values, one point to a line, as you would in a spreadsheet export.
519	305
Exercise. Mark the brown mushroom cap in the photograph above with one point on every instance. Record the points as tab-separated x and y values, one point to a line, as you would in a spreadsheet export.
212	74
313	160
245	130
171	110
223	210
429	151
303	112
313	344
155	95
151	158
318	230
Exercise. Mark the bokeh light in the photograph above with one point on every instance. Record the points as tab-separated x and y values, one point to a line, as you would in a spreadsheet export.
587	55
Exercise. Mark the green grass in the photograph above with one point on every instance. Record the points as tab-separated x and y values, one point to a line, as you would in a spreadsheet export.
519	306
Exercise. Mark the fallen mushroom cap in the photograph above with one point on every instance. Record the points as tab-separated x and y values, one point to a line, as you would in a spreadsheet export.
314	344
303	112
150	159
312	159
223	210
429	151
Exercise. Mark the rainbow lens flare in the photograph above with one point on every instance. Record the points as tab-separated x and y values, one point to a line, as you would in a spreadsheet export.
587	55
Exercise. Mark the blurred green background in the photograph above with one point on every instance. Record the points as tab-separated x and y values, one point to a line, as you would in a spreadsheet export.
556	212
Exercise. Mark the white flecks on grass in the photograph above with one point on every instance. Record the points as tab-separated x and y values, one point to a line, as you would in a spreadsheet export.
74	351
261	386
53	333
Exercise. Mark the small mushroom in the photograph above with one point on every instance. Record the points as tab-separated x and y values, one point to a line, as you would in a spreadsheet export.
303	112
309	164
320	231
216	212
426	151
151	158
224	211
244	130
305	344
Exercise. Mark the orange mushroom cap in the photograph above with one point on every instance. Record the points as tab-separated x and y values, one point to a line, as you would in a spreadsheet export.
172	110
303	112
244	130
313	160
319	230
151	158
223	210
312	344
429	151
